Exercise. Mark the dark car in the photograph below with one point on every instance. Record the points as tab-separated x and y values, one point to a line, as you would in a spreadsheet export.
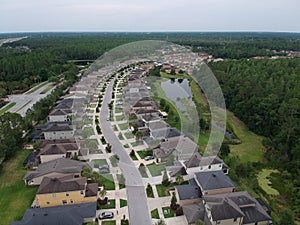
149	157
106	215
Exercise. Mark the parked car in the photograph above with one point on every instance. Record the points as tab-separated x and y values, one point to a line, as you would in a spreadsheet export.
106	215
108	118
149	157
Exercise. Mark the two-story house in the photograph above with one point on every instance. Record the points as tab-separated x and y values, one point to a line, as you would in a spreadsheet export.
65	190
58	131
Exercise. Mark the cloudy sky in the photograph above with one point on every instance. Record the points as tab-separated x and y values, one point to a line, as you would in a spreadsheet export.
149	15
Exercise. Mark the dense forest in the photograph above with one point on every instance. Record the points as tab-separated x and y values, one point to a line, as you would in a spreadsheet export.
265	95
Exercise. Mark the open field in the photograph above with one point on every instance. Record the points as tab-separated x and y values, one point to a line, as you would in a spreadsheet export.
250	149
15	197
264	181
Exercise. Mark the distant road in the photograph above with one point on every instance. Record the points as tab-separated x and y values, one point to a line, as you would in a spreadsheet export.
136	195
10	40
26	101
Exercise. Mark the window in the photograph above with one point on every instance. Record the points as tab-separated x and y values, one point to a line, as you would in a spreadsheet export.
218	221
81	192
71	201
64	201
48	203
235	219
67	194
209	167
53	195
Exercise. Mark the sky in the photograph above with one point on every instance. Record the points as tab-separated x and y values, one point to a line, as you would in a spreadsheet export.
150	15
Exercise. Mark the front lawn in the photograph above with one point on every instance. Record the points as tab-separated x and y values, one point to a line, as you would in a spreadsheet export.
120	118
108	181
123	203
110	222
123	126
129	135
154	214
156	169
111	204
99	162
15	196
168	212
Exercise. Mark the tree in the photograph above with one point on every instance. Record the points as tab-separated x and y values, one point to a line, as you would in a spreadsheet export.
108	147
173	204
165	179
102	193
286	218
139	135
86	172
179	179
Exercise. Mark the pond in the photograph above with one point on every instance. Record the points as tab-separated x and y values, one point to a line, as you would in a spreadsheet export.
179	91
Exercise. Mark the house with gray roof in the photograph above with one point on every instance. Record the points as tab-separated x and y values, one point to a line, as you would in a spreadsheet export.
58	131
194	212
55	168
235	208
66	215
214	182
60	115
188	194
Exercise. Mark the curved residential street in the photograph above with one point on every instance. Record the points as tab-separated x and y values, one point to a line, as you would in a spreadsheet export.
136	195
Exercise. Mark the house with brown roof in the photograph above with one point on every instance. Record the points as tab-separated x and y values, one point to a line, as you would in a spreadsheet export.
60	150
65	190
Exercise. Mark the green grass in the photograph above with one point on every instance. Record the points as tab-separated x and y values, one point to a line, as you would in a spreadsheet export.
9	106
156	169
162	191
36	87
142	154
48	89
15	196
168	212
91	144
134	144
24	106
115	128
114	160
143	172
123	203
108	181
265	183
120	118
110	222
121	180
120	136
149	191
129	135
250	148
133	157
154	214
111	204
118	110
123	126
90	111
99	162
87	132
126	146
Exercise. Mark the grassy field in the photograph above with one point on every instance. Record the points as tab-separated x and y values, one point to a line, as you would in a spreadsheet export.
250	148
9	106
15	197
265	183
110	222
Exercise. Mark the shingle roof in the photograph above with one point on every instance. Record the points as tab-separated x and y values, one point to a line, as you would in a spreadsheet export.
176	171
61	184
61	215
157	125
57	141
236	204
51	149
188	191
166	133
194	161
194	212
213	180
61	165
57	127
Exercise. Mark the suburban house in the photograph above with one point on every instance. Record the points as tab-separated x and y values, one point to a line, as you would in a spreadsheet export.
55	168
60	115
67	215
56	151
203	183
65	190
198	163
235	208
58	131
214	182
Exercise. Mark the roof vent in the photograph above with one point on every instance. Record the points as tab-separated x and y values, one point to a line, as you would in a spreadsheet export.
214	175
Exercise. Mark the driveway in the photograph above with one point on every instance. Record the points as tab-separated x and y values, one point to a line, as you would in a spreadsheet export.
136	195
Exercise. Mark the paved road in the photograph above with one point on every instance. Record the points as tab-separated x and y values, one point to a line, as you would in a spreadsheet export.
137	200
26	101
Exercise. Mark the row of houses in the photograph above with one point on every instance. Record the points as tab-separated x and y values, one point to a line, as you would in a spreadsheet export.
210	195
63	196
